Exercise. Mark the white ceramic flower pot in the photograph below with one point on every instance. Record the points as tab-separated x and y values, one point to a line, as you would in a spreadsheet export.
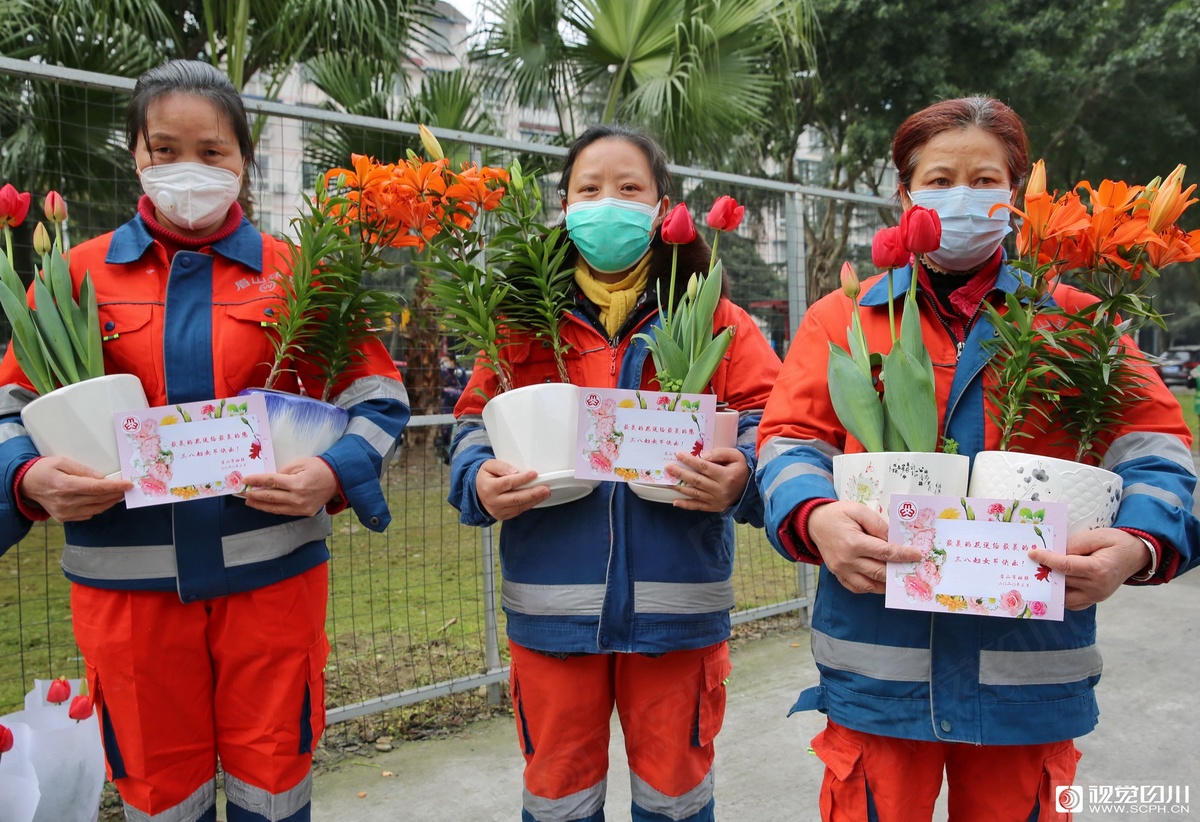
725	430
872	477
76	420
1092	494
300	426
534	428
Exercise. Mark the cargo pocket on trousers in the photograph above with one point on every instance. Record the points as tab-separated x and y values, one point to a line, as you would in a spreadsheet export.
1058	771
715	669
844	793
113	763
312	714
523	736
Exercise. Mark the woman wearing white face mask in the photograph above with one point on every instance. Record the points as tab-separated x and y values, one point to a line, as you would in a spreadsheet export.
201	623
611	600
990	705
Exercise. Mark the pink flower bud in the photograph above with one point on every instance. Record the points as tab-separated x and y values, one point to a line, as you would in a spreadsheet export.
921	230
59	691
887	248
41	239
726	214
678	228
81	707
850	285
6	739
55	207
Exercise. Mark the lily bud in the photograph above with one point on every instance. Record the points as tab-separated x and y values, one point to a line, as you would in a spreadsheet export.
81	708
6	739
55	207
850	284
432	147
1036	186
59	691
41	239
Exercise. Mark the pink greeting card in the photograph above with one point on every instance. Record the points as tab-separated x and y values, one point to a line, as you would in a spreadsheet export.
198	449
631	436
976	556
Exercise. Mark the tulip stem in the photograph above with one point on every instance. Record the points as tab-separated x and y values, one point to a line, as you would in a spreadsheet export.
712	260
891	305
8	244
667	310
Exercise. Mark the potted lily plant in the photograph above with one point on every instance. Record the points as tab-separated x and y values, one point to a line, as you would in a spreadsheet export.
328	306
887	401
1068	374
56	341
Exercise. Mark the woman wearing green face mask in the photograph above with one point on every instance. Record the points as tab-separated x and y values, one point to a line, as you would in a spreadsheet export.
612	600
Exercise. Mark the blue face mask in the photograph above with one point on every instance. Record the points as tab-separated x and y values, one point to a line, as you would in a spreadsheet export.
611	234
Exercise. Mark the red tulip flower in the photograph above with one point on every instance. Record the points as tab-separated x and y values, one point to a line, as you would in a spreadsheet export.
921	230
55	207
887	248
726	214
6	739
14	206
81	708
59	691
678	228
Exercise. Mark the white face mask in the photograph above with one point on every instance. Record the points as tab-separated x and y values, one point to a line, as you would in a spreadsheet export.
969	235
191	195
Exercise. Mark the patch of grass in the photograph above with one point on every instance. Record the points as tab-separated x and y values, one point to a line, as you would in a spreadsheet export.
406	607
1187	401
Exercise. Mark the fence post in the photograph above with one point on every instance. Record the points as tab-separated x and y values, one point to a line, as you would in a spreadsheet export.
797	261
491	622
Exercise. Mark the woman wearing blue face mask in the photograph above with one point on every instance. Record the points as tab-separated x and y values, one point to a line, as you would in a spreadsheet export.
612	600
201	623
912	698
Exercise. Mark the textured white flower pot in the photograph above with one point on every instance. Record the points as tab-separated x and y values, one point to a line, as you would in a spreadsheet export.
300	426
872	477
725	430
1092	494
76	420
534	428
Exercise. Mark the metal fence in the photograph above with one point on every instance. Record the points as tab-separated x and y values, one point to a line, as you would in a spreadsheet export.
413	612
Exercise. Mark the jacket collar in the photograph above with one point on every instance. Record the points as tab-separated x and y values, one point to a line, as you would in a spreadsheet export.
130	241
1006	283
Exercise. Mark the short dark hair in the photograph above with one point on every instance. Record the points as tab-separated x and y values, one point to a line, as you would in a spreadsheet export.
615	131
188	77
987	113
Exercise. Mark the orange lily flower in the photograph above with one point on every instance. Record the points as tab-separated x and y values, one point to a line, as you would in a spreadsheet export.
1170	200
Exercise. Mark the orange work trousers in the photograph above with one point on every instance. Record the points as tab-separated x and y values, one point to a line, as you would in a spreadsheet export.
177	685
871	778
671	708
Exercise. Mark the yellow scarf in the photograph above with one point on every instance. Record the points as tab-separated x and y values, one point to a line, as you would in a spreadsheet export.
615	300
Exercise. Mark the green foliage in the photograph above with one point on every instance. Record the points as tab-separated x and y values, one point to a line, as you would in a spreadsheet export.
57	339
491	286
907	417
685	352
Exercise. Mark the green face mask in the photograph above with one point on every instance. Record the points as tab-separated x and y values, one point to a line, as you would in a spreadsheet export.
611	234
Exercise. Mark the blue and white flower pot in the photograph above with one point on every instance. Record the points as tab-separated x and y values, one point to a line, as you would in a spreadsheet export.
300	426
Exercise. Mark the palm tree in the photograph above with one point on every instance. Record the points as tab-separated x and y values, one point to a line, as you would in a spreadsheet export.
699	71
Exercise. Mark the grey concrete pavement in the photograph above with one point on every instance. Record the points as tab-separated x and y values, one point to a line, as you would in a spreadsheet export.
1147	735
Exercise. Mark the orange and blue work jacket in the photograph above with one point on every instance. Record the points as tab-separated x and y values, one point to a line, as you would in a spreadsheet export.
951	676
612	572
196	329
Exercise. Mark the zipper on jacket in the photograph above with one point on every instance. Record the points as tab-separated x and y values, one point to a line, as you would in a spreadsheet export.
612	360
